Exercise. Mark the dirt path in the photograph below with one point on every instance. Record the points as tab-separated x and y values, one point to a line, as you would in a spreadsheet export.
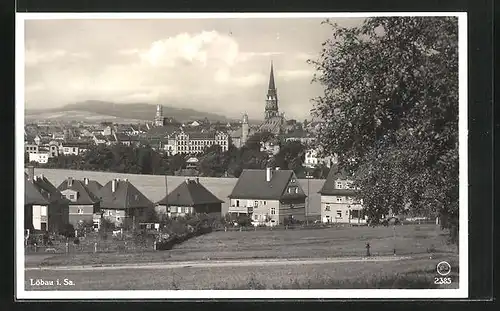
225	263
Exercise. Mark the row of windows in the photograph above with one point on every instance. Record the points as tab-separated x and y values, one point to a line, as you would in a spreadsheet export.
256	203
340	185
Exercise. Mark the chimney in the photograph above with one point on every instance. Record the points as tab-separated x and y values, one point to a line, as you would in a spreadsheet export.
70	181
86	181
31	172
113	185
268	174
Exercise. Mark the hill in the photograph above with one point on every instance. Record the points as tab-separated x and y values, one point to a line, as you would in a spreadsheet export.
131	111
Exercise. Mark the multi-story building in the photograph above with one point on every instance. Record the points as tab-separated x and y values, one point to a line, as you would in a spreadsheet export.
313	159
338	200
268	196
196	142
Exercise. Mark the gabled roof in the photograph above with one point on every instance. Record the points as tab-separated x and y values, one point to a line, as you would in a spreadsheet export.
94	186
84	197
125	196
329	186
48	190
252	184
190	193
32	195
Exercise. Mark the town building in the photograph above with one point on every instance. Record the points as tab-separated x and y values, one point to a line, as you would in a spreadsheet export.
84	205
52	217
123	204
159	120
338	199
35	207
313	159
190	142
39	157
239	137
268	196
73	148
190	197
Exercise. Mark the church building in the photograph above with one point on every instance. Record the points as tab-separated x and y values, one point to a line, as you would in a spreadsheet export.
273	120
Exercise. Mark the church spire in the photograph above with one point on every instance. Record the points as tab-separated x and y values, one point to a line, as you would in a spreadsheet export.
272	97
271	78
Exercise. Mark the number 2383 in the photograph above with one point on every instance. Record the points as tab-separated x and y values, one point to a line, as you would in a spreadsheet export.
442	281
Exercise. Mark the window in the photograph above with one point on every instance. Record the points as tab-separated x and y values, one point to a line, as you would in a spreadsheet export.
339	185
237	203
80	211
179	210
255	217
71	196
339	214
273	211
339	199
256	203
327	208
264	202
293	180
296	190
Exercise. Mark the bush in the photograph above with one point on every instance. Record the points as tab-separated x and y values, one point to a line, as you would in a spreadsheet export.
68	231
76	241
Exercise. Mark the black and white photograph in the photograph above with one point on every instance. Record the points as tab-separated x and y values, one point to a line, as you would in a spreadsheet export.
248	155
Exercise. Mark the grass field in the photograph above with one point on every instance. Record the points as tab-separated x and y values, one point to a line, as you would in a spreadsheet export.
425	243
153	186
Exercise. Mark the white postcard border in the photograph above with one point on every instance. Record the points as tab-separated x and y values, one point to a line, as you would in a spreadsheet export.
21	293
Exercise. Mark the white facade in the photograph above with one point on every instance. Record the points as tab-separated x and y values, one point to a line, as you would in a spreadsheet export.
312	159
41	158
40	217
192	143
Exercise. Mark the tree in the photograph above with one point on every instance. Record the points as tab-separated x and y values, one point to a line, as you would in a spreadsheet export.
291	156
391	112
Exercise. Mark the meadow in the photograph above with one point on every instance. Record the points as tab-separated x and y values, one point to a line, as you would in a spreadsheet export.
297	243
153	186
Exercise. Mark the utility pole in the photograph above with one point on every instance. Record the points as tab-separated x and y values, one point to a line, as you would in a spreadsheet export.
308	177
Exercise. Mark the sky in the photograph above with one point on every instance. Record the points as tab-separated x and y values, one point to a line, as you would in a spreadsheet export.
213	65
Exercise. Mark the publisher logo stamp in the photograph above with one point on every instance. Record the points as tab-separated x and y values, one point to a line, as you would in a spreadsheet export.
443	268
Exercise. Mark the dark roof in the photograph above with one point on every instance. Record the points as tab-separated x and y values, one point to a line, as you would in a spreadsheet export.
48	190
190	193
99	136
125	196
94	186
252	184
162	131
329	186
32	195
84	197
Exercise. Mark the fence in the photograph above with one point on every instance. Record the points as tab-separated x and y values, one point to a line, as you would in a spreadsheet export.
93	244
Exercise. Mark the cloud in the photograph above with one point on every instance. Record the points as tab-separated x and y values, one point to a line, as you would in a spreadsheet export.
33	57
200	48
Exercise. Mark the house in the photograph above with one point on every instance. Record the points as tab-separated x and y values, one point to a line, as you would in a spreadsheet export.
30	148
123	204
73	147
271	147
268	196
52	217
190	197
83	203
338	202
35	207
99	139
313	159
40	157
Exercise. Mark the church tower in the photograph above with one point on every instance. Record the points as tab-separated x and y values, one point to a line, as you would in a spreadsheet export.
244	130
159	116
272	98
